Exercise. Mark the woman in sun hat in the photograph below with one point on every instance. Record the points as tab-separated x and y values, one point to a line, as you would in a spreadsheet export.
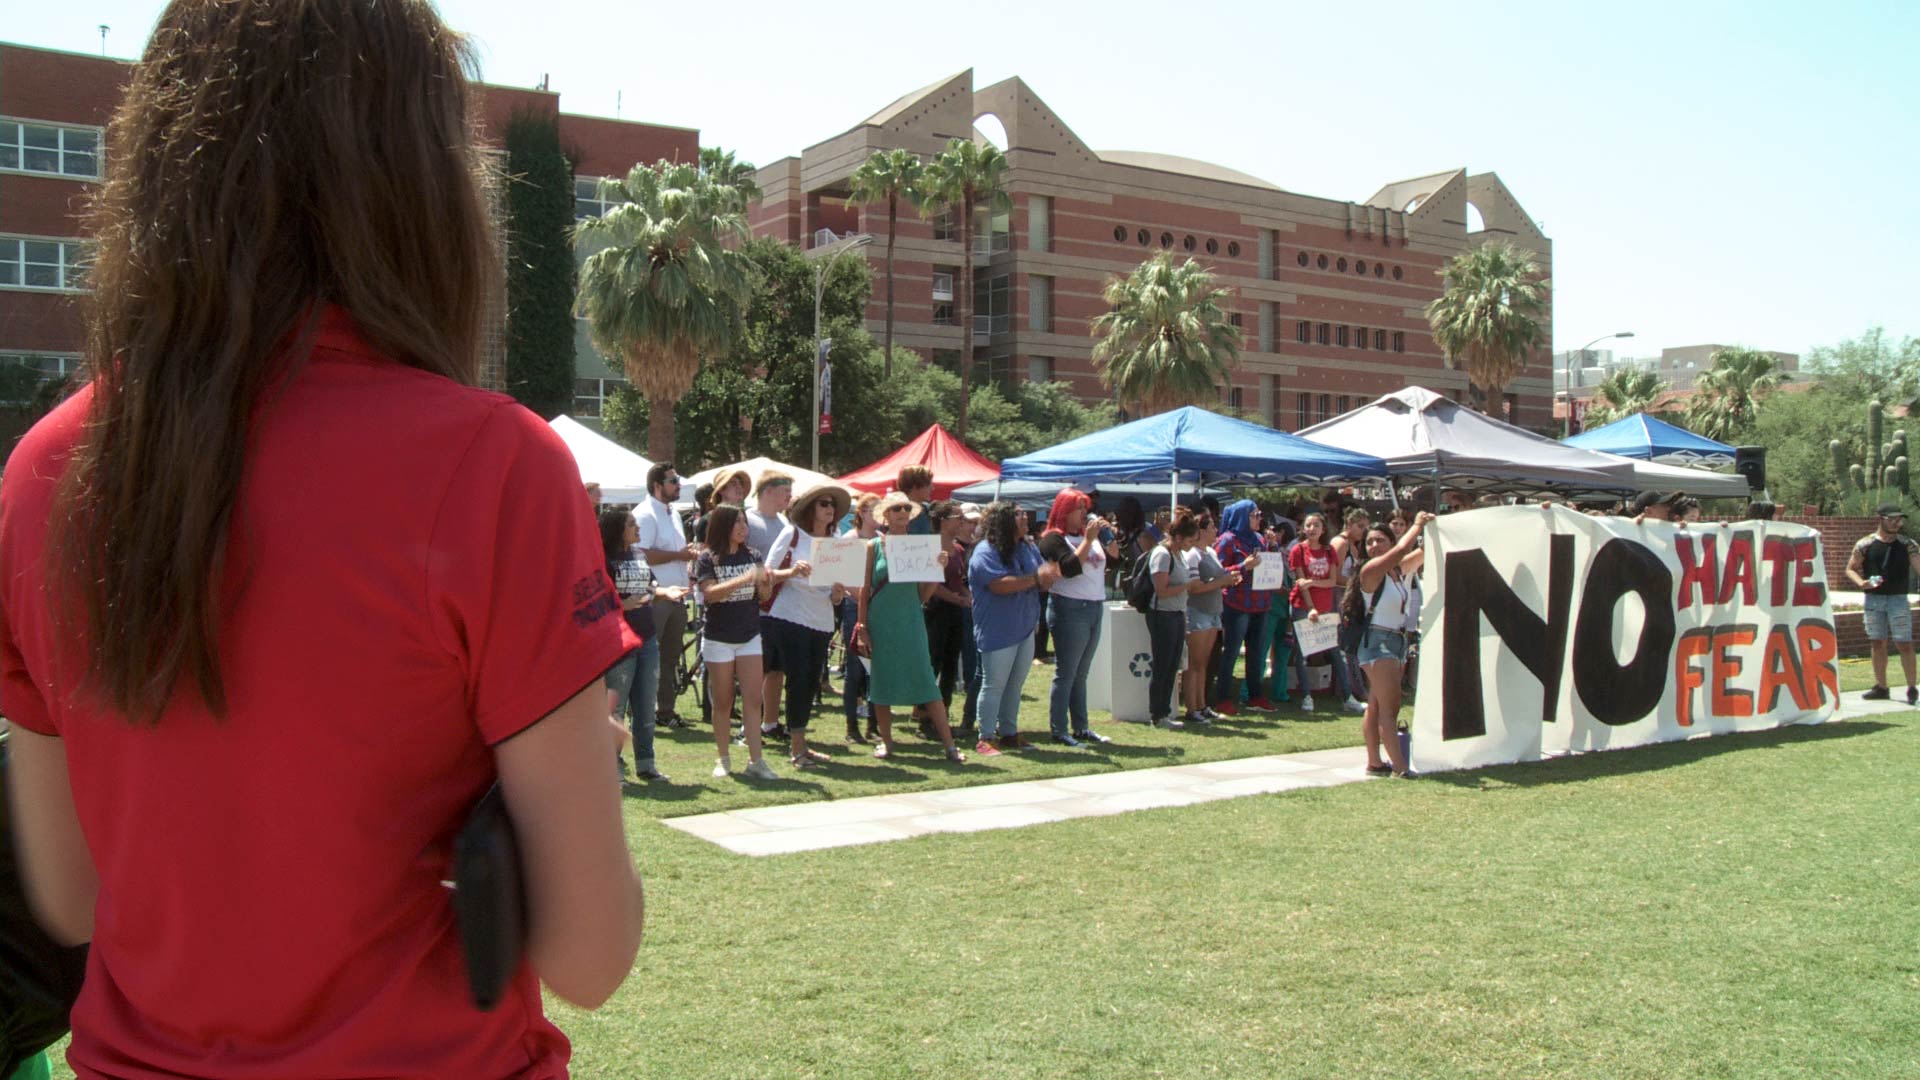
892	633
799	623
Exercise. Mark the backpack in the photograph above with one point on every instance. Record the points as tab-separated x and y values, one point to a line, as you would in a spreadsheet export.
1139	583
1356	616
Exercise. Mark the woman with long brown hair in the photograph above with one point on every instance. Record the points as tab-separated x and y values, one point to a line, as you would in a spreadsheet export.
280	475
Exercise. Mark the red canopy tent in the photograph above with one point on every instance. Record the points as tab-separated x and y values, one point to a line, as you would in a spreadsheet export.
953	464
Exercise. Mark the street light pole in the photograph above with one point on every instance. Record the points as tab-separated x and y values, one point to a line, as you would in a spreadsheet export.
1584	349
821	269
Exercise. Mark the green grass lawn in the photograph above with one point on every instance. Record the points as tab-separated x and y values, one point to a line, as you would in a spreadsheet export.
687	755
1735	907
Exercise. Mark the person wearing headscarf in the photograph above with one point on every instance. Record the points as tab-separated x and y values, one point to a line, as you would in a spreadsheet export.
1243	618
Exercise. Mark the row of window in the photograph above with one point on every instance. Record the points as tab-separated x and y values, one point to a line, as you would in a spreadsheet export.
1189	242
587	202
50	150
1307	333
27	263
17	387
1329	407
1339	265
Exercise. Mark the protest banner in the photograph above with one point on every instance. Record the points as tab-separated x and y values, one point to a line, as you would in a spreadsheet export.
839	560
1546	631
1316	636
1268	576
914	558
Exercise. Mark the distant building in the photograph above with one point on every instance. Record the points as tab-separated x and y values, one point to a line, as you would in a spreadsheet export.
1330	294
1678	367
54	107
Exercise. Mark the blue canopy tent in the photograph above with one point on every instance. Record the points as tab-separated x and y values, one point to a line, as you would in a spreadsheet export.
1192	444
1645	437
1038	494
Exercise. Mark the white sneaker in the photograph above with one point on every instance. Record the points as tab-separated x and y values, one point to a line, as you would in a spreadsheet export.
1195	719
1306	702
1168	723
1210	715
720	769
1355	705
760	770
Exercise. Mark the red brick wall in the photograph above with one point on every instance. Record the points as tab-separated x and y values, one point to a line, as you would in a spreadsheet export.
1837	537
1851	628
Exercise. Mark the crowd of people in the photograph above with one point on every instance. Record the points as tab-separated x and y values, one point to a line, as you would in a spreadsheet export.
1012	583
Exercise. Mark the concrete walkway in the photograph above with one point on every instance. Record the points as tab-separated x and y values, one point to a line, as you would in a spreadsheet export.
780	830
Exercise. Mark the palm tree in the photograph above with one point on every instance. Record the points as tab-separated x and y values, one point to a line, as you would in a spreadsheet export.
1166	339
891	175
1623	393
1726	396
665	285
963	177
1487	319
721	166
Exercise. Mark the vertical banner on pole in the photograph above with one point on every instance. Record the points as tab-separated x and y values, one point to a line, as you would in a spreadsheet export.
826	388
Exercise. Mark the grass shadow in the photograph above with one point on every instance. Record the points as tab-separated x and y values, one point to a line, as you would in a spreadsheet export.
1575	768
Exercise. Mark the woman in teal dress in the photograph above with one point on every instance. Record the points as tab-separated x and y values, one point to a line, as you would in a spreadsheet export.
892	632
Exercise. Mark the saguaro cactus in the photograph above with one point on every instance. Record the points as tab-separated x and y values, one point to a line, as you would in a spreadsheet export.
1902	478
1876	429
1838	452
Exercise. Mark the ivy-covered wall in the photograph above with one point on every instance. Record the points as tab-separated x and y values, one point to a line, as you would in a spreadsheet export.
540	266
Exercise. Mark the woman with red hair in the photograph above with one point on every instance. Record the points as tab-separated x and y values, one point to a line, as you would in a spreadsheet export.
1073	611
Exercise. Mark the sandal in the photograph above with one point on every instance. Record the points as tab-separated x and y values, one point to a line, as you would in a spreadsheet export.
802	761
1379	770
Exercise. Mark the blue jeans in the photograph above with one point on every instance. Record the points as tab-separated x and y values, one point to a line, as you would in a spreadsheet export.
1003	673
1076	634
1237	627
635	678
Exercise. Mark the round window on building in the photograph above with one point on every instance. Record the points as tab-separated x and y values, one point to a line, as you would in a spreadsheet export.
1119	234
1301	258
1213	247
1396	273
1341	266
1321	262
1379	269
1233	248
1189	243
1166	240
1360	267
1144	237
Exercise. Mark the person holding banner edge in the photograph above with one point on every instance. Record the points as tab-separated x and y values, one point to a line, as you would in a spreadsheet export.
1380	596
1886	565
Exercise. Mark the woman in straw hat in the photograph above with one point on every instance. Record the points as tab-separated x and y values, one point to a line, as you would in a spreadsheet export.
799	622
892	632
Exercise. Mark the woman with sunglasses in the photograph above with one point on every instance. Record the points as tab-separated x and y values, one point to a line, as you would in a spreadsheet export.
892	634
799	624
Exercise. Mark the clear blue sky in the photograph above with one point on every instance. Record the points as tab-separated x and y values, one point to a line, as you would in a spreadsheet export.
1709	172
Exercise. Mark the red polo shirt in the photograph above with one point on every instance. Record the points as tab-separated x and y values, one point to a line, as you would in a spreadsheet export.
418	579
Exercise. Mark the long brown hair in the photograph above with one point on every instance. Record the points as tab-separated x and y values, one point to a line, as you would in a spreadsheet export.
270	157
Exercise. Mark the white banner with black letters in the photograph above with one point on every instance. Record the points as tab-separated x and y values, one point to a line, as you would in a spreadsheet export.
1547	631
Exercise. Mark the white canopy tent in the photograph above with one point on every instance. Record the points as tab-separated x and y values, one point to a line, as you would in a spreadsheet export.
621	473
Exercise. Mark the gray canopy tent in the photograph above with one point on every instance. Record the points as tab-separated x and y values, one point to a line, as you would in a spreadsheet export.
1425	437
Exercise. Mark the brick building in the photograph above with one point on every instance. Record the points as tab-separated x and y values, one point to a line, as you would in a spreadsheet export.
53	109
1330	294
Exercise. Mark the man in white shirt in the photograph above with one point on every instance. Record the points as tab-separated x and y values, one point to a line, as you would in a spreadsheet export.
663	540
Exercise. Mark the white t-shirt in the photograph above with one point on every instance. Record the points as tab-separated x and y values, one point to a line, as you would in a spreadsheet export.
799	602
660	530
1395	605
1091	582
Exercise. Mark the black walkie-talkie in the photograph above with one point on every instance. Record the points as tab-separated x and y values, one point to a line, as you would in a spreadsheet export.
489	898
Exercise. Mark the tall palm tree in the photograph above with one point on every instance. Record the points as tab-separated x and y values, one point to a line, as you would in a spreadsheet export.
1166	339
965	176
891	175
665	284
1726	396
1487	319
1623	393
723	168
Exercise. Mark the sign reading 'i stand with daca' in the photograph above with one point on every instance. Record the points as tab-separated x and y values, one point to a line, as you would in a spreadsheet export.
1547	631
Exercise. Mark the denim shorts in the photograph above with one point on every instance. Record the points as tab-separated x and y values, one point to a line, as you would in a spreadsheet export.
1888	618
1199	622
1382	644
